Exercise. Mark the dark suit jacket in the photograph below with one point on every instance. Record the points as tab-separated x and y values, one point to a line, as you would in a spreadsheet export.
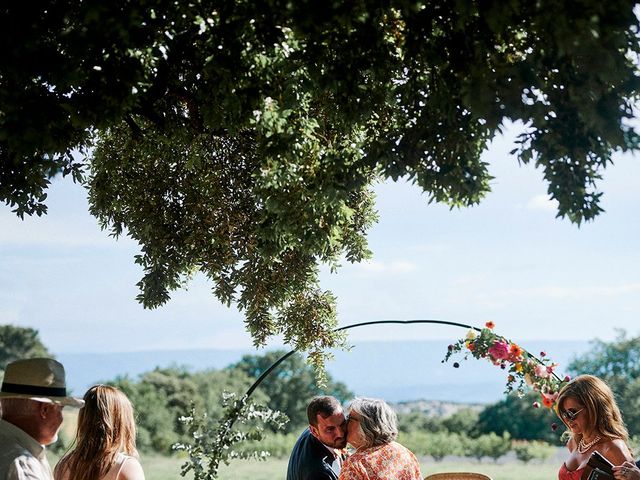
310	460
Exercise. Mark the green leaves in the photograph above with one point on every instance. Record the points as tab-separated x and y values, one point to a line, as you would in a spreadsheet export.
241	139
212	443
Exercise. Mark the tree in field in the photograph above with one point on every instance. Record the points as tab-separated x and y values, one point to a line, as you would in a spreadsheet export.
161	396
290	386
516	416
618	364
17	343
242	138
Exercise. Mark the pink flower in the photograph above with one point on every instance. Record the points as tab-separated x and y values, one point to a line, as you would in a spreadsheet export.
549	399
541	371
567	378
499	350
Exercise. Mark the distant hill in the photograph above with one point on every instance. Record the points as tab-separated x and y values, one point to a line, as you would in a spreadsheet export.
396	371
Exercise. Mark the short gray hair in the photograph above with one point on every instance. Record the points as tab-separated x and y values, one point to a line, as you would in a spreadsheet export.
378	421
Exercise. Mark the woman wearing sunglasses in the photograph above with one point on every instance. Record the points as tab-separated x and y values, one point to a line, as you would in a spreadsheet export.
587	407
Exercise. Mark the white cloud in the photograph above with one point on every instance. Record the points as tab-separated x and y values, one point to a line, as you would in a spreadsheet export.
471	279
561	293
394	267
542	202
49	232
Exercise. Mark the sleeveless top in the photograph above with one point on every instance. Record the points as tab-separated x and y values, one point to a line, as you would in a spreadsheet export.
566	474
115	469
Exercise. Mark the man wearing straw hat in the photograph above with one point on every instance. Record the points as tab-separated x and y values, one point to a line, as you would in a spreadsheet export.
32	397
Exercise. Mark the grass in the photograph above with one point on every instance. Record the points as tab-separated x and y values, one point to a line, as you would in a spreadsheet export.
165	468
157	467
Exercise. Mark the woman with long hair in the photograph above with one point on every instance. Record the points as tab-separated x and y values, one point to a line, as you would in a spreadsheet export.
587	407
105	443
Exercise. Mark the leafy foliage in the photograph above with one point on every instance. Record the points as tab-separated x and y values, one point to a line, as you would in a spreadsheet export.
17	343
526	451
291	386
215	442
490	445
618	364
241	138
515	416
162	396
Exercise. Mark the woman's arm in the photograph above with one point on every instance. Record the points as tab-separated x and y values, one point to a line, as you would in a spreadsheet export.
616	451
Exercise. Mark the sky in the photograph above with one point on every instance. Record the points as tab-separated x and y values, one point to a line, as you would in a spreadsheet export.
508	260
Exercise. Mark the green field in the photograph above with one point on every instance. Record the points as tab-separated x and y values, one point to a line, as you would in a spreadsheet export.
163	468
159	467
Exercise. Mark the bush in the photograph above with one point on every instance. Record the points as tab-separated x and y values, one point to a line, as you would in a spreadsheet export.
279	445
437	444
527	451
489	445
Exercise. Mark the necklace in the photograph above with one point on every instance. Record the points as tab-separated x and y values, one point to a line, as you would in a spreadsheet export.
583	447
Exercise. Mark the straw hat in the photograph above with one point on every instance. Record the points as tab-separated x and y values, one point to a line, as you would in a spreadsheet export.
40	379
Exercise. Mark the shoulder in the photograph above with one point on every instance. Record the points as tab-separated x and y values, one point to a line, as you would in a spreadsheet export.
350	469
131	470
24	467
616	451
307	444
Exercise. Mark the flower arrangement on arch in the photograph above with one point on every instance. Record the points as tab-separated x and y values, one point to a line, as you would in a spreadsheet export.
524	370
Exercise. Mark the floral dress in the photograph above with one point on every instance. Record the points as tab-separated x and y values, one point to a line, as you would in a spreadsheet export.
391	461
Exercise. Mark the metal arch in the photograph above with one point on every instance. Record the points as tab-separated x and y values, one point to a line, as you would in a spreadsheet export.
354	325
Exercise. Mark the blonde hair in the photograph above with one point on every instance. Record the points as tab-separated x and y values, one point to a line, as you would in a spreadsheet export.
106	427
600	404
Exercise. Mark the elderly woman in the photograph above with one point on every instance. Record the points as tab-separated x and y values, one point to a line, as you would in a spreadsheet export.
587	407
371	430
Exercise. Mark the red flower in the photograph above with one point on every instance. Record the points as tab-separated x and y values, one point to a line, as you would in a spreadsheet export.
490	325
547	401
515	353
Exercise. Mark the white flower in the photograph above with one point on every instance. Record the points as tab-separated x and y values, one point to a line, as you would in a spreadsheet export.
471	335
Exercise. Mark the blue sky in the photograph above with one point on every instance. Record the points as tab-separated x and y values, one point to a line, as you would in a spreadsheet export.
508	260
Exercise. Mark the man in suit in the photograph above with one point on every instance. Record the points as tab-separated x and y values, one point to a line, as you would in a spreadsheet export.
318	453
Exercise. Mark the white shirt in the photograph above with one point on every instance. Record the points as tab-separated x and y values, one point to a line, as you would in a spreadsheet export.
21	457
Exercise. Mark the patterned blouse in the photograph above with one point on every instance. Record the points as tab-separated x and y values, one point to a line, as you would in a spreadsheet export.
391	461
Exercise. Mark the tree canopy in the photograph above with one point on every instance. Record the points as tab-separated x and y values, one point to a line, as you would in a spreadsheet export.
17	343
617	363
242	138
291	385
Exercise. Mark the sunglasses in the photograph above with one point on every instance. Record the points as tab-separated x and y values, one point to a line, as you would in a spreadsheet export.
570	415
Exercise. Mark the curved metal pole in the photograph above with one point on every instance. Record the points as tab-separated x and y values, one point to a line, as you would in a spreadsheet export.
354	325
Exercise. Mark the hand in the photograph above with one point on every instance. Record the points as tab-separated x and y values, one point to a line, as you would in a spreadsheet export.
626	471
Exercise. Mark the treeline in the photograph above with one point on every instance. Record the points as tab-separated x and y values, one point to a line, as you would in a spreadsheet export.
164	395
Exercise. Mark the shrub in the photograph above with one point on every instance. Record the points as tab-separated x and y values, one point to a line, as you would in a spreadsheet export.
536	450
489	445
